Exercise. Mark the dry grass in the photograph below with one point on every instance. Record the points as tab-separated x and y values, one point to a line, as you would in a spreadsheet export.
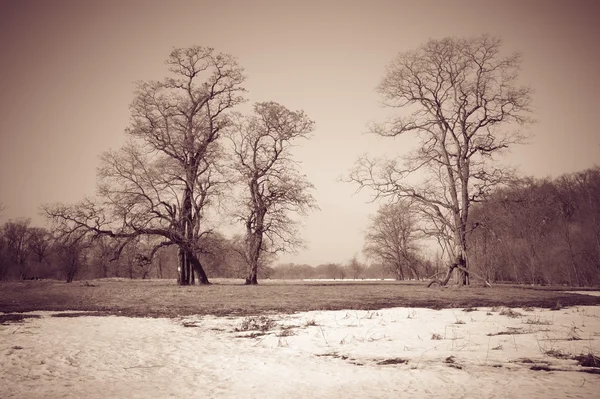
158	298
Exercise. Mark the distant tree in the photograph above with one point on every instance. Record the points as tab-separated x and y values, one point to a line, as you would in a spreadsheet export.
356	268
161	183
102	257
16	236
71	256
459	97
294	271
330	271
391	239
4	263
40	243
274	188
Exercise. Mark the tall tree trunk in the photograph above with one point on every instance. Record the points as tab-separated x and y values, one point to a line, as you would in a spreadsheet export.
255	243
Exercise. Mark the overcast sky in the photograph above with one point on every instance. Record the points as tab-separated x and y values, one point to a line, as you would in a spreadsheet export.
68	68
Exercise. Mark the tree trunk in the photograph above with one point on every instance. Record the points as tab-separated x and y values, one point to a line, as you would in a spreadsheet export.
254	245
463	273
252	278
198	269
182	268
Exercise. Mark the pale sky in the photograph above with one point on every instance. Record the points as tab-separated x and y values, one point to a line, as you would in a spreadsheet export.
68	68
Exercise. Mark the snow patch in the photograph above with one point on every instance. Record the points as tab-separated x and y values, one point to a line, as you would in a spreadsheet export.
327	354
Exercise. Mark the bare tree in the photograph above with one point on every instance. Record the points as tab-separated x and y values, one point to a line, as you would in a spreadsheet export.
457	96
16	236
161	183
391	239
274	187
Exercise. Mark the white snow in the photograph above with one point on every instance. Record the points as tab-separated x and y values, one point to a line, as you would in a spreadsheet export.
331	354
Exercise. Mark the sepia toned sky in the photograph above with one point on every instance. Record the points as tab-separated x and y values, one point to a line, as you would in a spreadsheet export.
68	67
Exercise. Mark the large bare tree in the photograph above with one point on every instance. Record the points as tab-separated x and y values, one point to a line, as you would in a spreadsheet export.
461	98
274	187
162	181
391	239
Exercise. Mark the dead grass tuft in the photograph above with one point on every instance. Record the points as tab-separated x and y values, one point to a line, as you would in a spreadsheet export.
537	320
588	360
7	318
557	353
509	331
395	360
540	367
510	313
310	323
257	323
286	332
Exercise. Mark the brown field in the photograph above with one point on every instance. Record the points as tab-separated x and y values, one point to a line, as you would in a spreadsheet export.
163	298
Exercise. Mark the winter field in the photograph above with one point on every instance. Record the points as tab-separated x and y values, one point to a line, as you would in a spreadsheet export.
295	340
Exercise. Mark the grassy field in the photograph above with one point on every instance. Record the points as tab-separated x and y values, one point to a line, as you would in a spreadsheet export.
163	298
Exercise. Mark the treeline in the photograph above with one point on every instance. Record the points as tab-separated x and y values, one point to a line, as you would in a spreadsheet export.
355	269
28	252
540	231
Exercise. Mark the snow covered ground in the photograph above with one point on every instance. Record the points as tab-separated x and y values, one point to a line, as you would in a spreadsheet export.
389	353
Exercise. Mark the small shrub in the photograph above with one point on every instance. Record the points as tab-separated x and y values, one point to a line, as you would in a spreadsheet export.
310	323
436	337
459	322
